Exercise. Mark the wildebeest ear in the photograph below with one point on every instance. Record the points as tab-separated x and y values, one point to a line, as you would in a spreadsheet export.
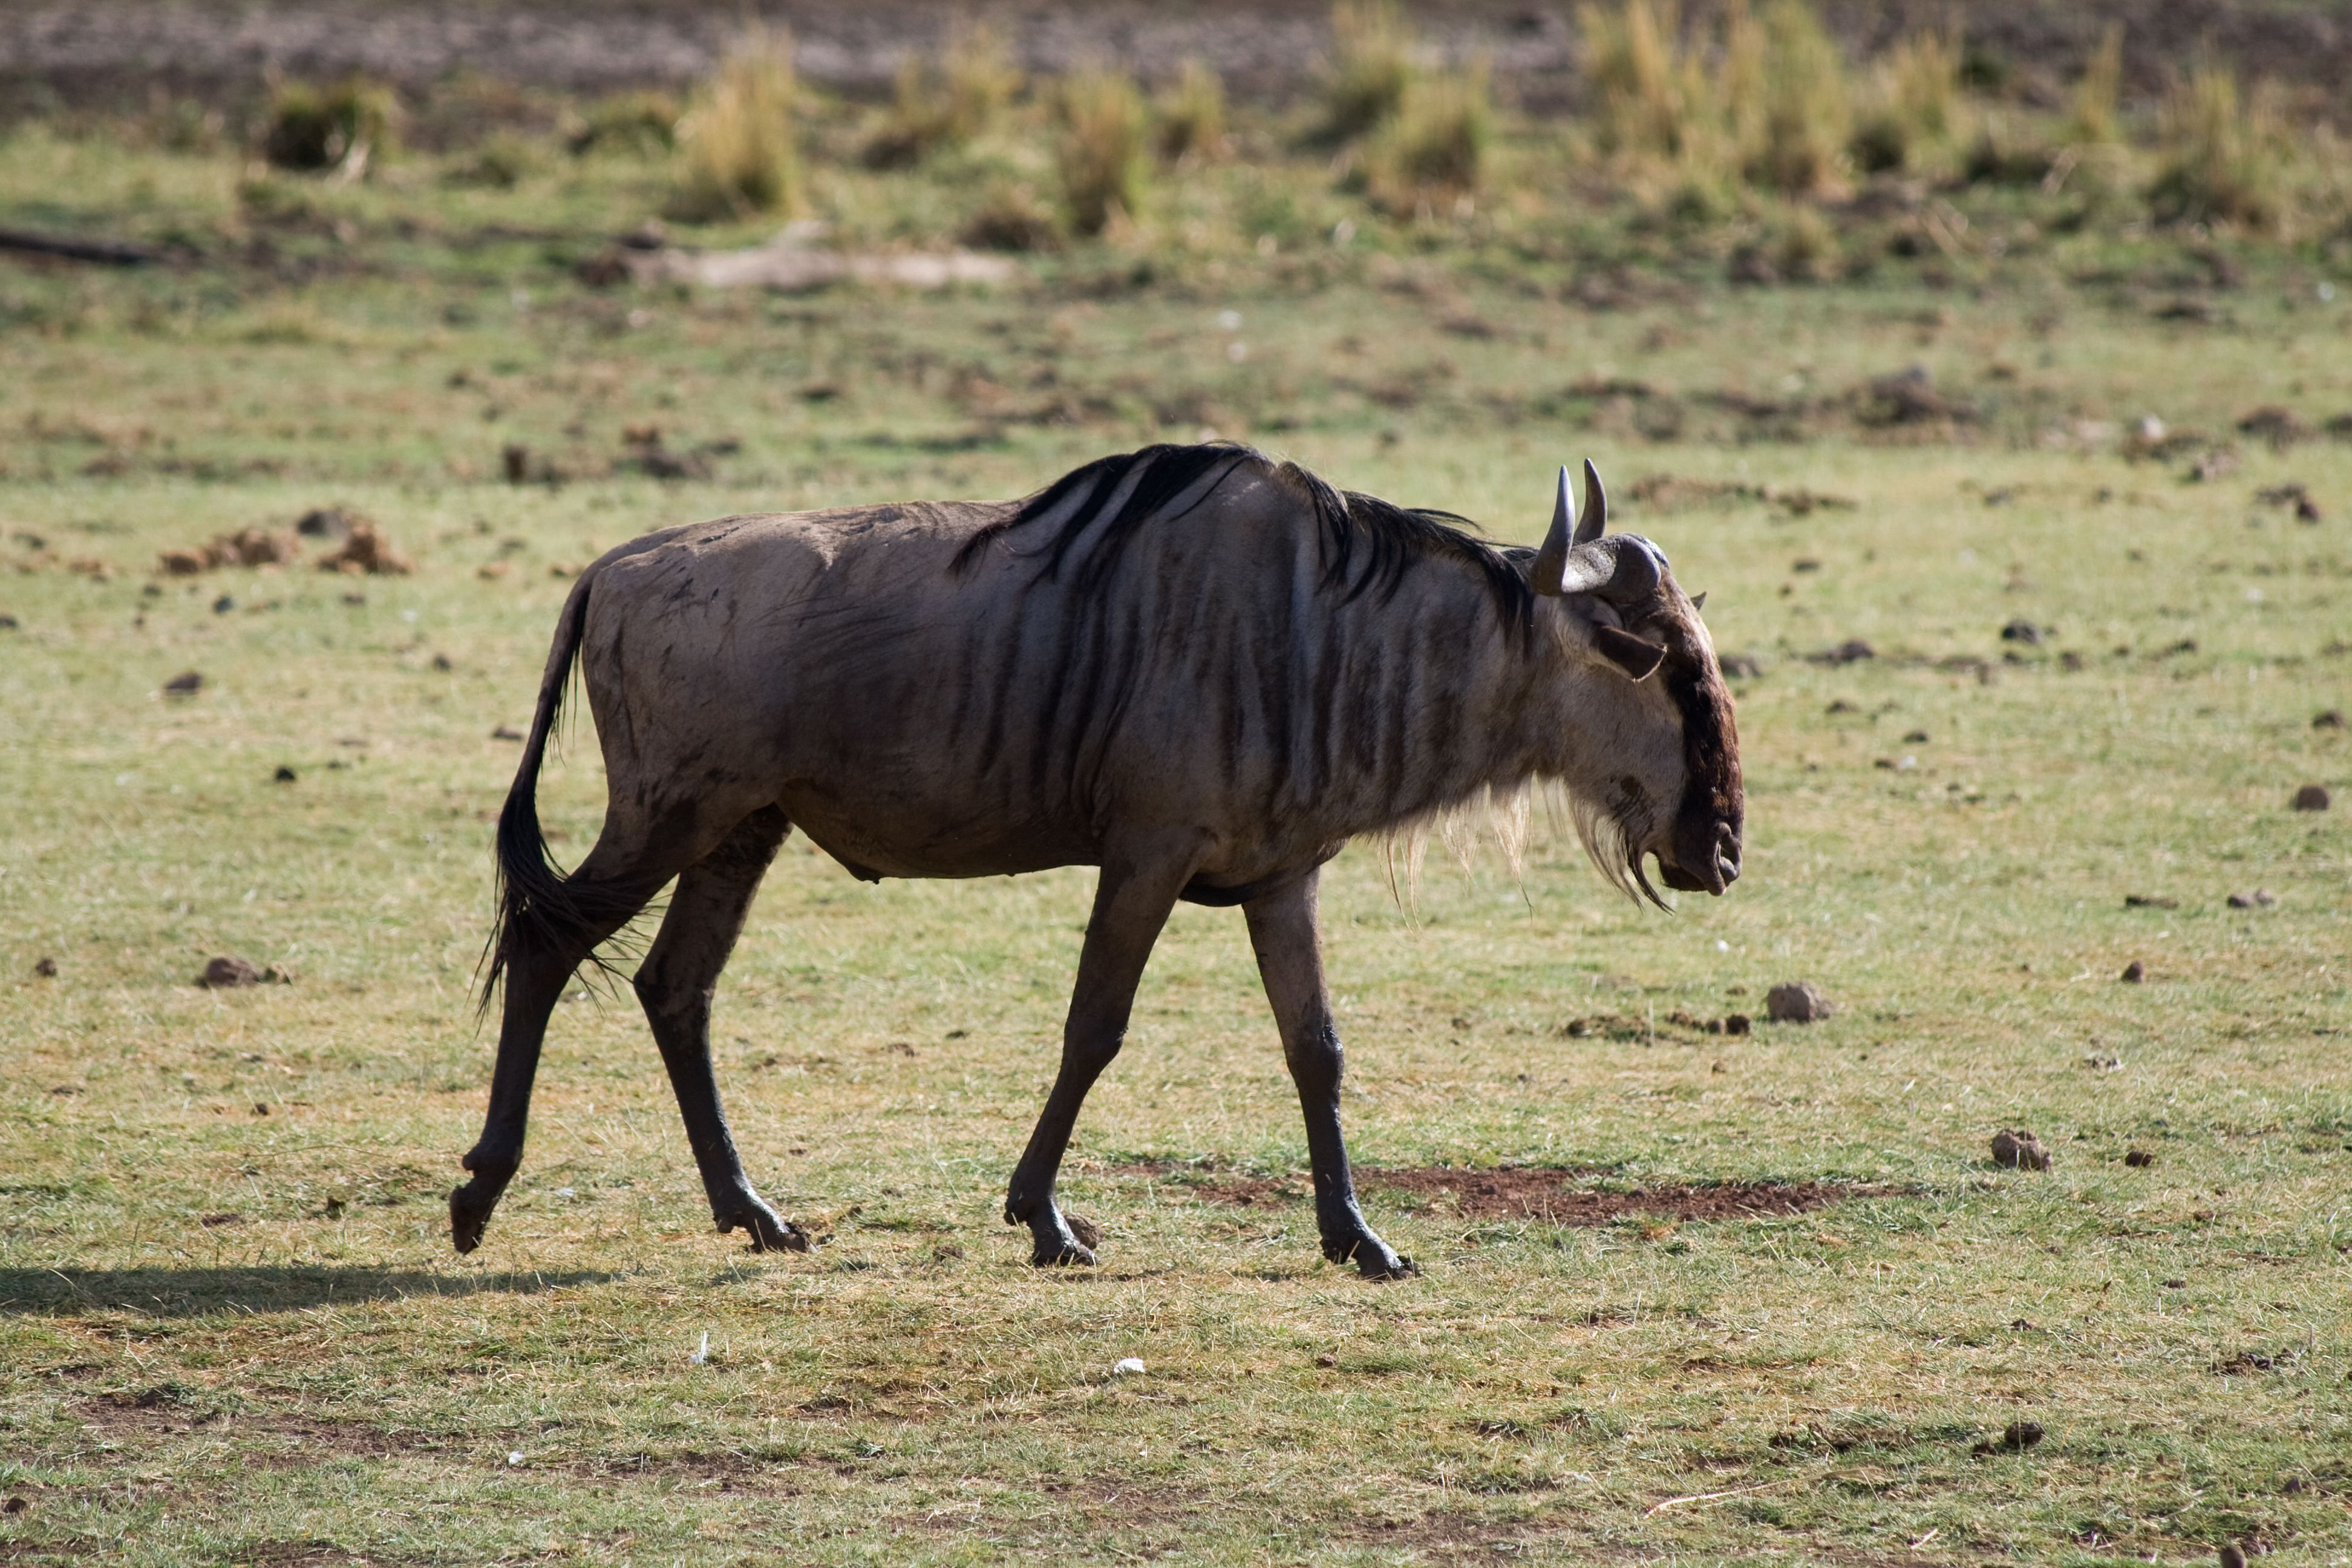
1699	600
1627	652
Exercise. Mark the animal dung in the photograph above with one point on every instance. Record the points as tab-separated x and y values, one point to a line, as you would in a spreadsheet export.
1798	1002
2331	719
2260	898
47	968
1730	1024
366	551
224	973
187	683
2024	631
2133	972
2311	797
326	522
2015	1438
283	776
2149	901
2017	1150
506	732
245	547
2138	1159
1090	1234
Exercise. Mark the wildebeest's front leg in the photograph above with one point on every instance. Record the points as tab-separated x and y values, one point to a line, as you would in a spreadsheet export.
1131	903
1290	960
675	986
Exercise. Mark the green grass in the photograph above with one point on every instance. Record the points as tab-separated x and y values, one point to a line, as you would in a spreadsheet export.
319	1380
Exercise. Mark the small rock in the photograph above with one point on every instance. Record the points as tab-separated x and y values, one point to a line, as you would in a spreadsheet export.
1799	1002
2333	719
2307	509
260	1108
1090	1234
325	523
283	776
1127	1366
2133	972
187	683
2311	797
2138	1159
2017	1150
1916	738
2022	631
47	968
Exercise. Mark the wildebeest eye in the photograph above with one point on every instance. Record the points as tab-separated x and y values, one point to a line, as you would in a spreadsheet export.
1629	653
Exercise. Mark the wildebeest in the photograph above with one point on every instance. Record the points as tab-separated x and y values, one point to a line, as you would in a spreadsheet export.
1196	668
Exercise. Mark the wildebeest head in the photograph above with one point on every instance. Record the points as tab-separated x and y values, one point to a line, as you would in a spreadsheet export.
1663	777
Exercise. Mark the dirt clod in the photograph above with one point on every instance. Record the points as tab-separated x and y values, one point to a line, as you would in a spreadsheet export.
187	683
1090	1234
2138	1159
1798	1002
47	968
2133	972
225	972
2311	797
2017	1150
366	551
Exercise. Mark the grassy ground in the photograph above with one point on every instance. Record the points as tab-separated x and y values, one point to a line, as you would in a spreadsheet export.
232	1330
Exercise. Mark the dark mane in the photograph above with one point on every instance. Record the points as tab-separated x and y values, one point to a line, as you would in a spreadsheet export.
1369	544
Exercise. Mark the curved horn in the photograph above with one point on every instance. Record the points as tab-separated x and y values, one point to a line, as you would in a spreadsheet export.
1596	505
1552	560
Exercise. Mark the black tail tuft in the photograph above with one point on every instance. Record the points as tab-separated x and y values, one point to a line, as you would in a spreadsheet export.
540	909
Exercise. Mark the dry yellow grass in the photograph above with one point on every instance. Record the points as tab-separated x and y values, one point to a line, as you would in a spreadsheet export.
739	156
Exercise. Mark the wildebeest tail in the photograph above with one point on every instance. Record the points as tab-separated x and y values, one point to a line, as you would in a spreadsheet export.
539	908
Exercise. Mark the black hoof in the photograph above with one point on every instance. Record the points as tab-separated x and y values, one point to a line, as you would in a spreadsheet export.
1068	1255
467	1220
769	1232
1373	1257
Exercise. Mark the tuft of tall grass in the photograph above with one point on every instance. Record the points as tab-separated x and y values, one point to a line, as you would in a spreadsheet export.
1806	114
1190	115
944	103
2223	159
1652	97
1372	65
339	128
1915	104
2094	117
1101	153
736	152
1436	146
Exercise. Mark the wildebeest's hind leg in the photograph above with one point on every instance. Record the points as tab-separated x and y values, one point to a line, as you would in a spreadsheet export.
536	961
1290	960
675	986
1131	903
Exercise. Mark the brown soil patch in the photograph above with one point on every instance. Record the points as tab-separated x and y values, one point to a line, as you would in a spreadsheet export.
1533	1193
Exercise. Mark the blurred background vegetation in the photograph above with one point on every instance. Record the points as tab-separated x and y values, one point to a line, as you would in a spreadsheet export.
1769	142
